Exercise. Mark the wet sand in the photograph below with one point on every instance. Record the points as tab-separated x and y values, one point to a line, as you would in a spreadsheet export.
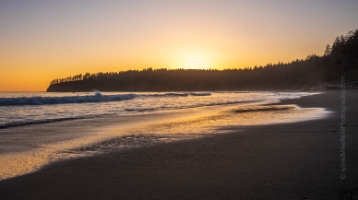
284	161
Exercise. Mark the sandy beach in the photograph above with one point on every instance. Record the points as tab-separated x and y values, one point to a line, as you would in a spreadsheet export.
282	161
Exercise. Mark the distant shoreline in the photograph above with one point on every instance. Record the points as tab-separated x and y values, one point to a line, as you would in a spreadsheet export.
313	72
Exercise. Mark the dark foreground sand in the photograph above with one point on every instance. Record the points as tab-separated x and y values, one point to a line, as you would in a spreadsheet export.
290	161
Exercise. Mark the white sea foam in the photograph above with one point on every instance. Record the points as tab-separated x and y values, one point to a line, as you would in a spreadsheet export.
97	97
38	100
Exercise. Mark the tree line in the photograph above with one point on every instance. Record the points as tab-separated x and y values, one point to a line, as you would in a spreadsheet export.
340	58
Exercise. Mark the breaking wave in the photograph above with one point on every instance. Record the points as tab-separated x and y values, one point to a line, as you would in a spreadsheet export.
44	121
97	97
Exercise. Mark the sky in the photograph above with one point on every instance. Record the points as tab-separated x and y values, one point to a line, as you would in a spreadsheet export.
46	39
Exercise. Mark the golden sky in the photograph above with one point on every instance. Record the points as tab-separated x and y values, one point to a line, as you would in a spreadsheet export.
44	40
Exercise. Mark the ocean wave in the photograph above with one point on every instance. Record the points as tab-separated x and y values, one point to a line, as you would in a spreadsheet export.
183	94
200	93
171	94
264	108
97	97
45	121
185	107
37	100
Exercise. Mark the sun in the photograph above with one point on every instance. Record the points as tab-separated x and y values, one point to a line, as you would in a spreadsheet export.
195	60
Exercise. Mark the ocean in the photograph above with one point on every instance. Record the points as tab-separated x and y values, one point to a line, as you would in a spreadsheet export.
18	109
37	129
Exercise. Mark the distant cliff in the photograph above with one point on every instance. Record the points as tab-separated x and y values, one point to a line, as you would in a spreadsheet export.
339	59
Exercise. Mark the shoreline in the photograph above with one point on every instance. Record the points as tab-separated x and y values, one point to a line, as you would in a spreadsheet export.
285	161
27	149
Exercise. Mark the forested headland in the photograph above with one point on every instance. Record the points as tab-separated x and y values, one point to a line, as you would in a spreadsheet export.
339	59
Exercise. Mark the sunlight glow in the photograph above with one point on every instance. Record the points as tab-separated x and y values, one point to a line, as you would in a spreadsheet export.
195	60
93	36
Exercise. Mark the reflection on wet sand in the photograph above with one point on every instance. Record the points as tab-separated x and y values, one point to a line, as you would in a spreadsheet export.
26	149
